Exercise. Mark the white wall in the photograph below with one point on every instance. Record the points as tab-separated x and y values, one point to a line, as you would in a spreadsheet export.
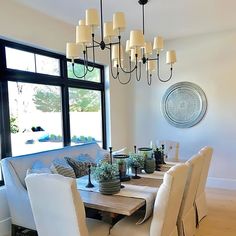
209	61
5	223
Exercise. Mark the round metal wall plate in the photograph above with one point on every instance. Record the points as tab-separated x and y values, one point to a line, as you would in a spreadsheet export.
184	104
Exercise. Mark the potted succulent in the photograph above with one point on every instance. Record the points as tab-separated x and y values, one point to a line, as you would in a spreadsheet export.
136	162
107	175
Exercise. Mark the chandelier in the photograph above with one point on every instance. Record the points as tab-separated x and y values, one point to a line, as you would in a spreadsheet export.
137	50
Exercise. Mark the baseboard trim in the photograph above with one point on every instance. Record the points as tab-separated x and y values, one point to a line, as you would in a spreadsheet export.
221	183
5	227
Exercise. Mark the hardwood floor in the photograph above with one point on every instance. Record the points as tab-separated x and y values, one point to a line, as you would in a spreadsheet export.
221	218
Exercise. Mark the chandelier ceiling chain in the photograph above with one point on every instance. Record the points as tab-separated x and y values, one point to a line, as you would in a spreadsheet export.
139	52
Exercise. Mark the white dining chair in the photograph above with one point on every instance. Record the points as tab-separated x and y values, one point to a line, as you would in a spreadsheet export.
166	208
58	209
171	149
187	216
200	201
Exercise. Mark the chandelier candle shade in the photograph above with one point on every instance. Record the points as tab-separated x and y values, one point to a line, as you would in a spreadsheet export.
129	61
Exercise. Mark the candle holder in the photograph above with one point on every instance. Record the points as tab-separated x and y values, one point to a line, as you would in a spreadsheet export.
110	148
136	173
89	185
122	166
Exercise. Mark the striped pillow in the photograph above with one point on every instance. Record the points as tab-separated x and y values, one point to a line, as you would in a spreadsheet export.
80	167
61	167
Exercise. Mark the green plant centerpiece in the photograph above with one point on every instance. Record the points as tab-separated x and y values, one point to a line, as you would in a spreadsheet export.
136	162
107	175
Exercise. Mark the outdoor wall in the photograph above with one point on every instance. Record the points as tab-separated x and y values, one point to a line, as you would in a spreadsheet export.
208	61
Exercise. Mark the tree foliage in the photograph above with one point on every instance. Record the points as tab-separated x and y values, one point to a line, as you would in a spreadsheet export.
81	100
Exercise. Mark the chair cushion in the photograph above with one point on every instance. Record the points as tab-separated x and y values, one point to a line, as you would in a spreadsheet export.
61	167
80	167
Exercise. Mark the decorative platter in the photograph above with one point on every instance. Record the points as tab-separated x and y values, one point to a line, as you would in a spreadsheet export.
184	104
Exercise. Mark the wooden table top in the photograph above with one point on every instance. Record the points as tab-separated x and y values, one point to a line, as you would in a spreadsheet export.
118	204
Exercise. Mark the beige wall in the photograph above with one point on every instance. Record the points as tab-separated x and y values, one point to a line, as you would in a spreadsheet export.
23	24
210	62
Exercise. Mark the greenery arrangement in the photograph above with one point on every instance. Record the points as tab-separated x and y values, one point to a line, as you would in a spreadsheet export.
136	160
105	172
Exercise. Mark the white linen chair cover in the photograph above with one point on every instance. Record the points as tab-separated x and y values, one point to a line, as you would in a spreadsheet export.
187	217
58	209
166	208
171	149
200	201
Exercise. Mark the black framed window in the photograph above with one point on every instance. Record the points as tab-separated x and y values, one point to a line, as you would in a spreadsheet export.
42	104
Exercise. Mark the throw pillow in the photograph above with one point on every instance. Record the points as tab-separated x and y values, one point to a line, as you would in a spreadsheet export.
80	168
85	158
102	155
61	167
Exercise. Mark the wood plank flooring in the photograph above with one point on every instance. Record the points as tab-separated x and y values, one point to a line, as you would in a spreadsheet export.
221	218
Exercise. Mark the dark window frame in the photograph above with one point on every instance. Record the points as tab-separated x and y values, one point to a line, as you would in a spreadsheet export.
62	81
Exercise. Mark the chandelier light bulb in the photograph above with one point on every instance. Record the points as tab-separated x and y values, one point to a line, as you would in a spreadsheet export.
148	48
115	52
127	47
170	57
158	44
72	51
81	22
83	34
151	66
119	22
92	18
108	30
136	39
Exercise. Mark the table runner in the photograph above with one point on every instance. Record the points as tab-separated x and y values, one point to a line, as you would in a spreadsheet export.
144	192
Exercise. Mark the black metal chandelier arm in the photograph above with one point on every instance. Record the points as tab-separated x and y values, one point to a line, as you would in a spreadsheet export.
124	71
86	56
158	71
85	68
111	68
138	77
130	75
162	80
124	83
149	78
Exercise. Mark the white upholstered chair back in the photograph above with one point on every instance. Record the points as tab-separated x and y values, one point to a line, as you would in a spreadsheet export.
200	202
57	207
171	149
187	218
168	201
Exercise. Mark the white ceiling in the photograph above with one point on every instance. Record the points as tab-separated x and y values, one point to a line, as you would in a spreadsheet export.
169	18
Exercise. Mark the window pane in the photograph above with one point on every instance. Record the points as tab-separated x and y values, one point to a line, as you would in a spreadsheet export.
47	65
20	60
93	76
35	117
85	116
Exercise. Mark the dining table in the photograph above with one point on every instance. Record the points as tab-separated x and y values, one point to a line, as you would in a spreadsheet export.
118	203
